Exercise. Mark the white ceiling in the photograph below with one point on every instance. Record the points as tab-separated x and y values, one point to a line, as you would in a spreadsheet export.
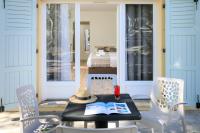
98	7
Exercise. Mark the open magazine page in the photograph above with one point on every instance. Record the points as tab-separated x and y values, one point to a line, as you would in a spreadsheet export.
96	108
122	108
106	108
111	108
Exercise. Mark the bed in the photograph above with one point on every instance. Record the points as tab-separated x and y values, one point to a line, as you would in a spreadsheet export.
102	63
102	68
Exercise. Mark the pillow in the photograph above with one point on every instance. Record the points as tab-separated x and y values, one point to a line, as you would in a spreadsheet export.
107	49
99	48
112	49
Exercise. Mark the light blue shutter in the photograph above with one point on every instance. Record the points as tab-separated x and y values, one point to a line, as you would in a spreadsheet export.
18	47
197	27
1	45
182	51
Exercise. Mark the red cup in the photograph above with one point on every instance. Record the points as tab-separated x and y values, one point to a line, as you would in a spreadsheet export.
117	92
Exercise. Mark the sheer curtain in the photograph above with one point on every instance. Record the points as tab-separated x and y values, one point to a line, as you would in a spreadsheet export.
139	42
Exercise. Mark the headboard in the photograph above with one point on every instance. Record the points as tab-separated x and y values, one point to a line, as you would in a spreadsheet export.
106	48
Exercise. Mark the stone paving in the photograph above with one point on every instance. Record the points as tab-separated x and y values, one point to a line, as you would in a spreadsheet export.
9	120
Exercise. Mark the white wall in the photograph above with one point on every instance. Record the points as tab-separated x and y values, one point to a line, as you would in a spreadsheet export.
102	27
83	54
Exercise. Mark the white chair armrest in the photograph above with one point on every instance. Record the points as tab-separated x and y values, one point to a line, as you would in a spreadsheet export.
177	104
175	113
42	117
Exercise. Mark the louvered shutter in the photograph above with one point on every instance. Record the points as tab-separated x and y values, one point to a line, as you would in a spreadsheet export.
1	45
18	47
181	45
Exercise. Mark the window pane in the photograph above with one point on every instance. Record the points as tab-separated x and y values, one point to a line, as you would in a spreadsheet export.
60	45
139	42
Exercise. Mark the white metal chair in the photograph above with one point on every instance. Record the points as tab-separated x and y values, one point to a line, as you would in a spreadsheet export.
128	129
167	105
30	114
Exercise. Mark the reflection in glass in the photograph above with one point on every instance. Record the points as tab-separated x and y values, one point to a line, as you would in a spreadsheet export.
60	42
139	42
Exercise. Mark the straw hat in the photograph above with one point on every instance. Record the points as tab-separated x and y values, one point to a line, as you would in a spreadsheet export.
83	96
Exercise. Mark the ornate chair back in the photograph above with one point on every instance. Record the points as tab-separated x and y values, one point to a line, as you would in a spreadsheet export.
28	107
128	129
167	92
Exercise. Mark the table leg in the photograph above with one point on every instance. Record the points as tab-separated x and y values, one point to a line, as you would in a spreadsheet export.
85	124
117	123
101	124
69	123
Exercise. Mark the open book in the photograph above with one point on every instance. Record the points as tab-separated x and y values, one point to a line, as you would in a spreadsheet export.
106	108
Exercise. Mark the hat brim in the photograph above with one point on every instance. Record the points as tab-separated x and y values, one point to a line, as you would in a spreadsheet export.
74	99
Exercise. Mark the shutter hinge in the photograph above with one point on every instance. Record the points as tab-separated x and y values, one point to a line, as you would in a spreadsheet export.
36	95
163	6
37	51
164	50
4	4
37	5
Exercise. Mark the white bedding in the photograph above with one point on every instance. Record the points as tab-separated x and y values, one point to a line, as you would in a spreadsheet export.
109	59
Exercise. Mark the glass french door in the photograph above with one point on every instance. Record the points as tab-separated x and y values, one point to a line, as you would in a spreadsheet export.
139	42
137	47
61	56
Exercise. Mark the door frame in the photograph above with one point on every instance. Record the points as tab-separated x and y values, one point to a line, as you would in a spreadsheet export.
66	88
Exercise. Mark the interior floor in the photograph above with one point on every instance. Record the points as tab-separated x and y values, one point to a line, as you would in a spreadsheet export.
84	73
98	24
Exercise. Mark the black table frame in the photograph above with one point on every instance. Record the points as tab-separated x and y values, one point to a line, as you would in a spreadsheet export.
75	112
